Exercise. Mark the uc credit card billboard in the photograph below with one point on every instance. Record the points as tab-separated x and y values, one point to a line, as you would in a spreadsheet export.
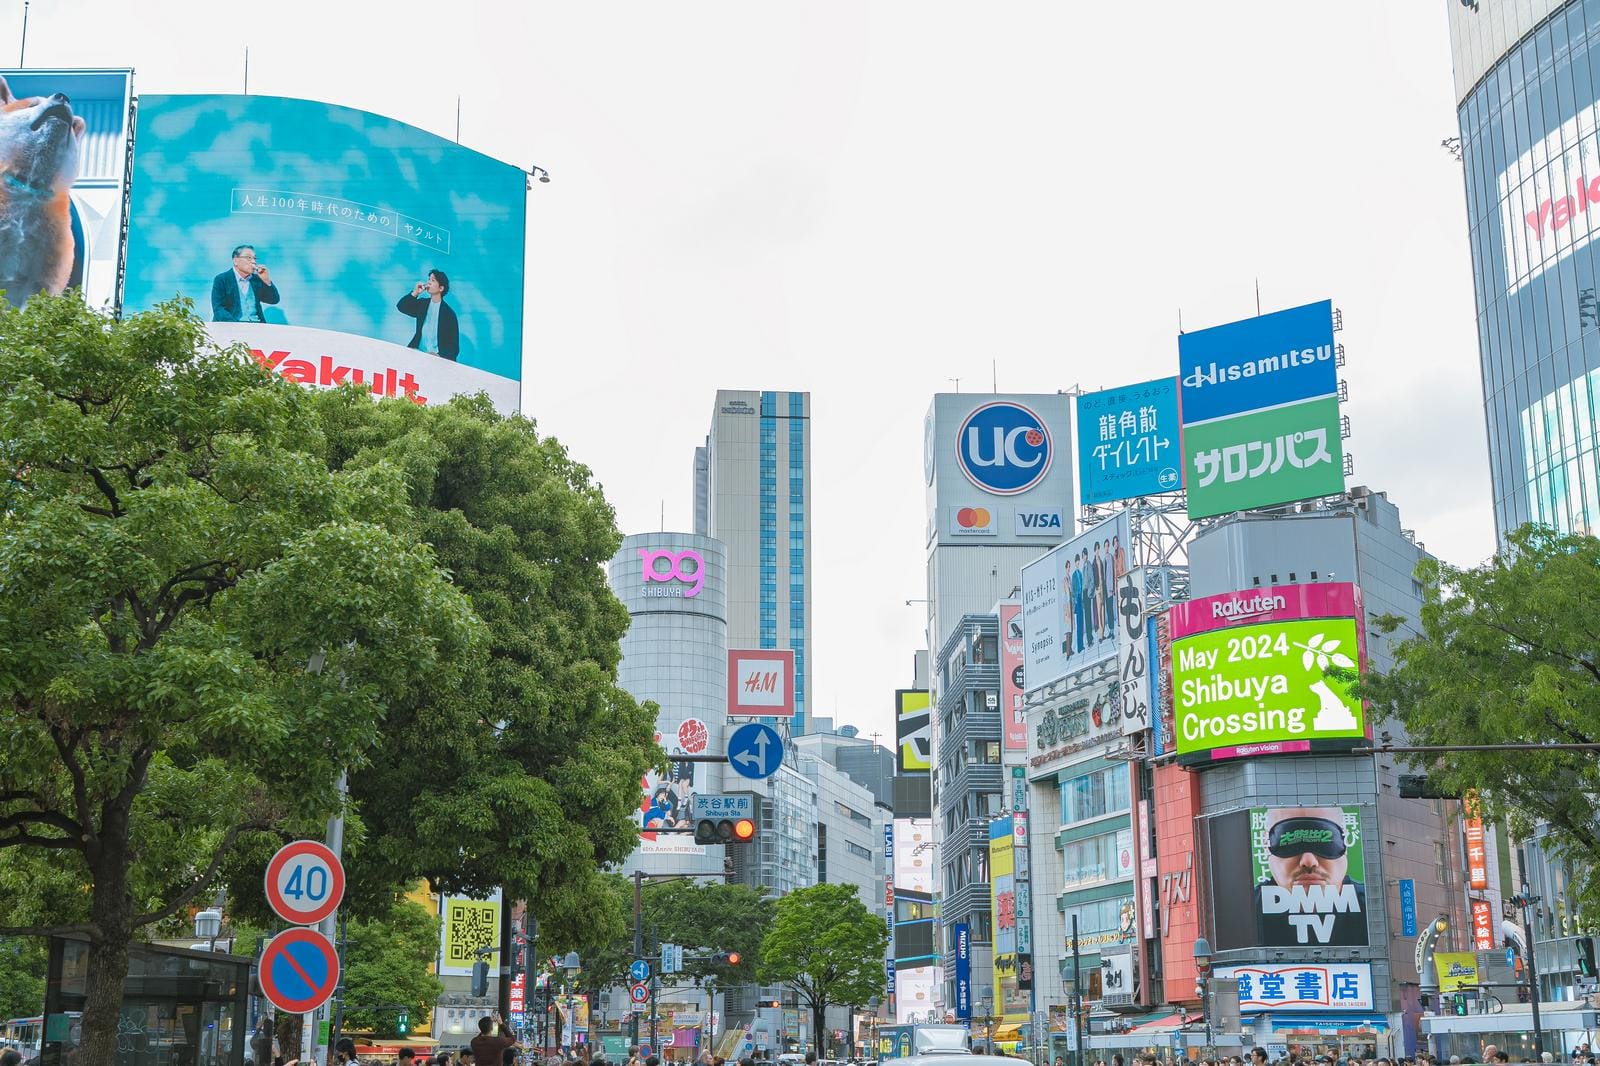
1250	671
337	244
1260	408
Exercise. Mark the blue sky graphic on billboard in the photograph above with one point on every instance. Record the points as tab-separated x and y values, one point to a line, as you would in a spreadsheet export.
1128	442
63	147
348	211
1267	361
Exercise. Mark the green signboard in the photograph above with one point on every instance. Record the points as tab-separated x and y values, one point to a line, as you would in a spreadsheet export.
1265	684
1263	458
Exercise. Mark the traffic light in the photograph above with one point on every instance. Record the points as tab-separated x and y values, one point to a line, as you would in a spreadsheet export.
1417	786
1586	967
1460	1005
402	1023
727	958
724	830
480	978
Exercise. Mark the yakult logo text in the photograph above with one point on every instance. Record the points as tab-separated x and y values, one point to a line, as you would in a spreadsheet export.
693	575
327	374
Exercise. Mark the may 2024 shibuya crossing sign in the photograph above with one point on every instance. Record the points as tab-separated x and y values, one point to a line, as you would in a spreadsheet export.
1251	671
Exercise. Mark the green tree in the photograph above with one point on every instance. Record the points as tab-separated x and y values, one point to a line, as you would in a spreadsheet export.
828	947
22	967
386	968
174	555
1509	653
525	772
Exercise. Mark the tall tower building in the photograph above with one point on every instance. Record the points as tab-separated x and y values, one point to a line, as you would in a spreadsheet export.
752	492
1527	79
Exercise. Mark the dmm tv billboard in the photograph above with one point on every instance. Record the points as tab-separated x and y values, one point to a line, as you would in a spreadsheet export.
338	245
1260	405
1128	442
1250	671
1303	869
64	139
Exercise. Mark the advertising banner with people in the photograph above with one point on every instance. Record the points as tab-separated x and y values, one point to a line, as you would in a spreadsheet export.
338	245
1267	671
1303	870
64	152
1069	602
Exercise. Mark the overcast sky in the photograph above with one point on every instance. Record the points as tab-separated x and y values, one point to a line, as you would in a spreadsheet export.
868	200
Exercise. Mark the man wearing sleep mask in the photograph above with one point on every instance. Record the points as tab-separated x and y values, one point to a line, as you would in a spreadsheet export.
1310	897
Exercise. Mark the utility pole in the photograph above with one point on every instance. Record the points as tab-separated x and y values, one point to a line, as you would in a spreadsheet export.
1077	996
1526	901
638	939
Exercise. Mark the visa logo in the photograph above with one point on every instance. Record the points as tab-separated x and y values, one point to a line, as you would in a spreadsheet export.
1040	524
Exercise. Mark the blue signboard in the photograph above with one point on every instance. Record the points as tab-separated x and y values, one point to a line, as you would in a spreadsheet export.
1408	907
888	973
1128	442
755	750
1267	361
1004	448
963	971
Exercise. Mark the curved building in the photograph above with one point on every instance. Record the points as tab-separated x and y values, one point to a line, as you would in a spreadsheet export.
676	653
1527	82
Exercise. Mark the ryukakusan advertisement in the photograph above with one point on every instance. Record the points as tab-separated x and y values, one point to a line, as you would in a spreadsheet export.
1254	672
338	246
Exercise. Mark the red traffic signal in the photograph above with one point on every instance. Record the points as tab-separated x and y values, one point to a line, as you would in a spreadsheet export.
724	830
744	829
727	958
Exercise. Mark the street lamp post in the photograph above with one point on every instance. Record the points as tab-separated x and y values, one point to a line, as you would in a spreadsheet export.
1202	964
1526	900
208	924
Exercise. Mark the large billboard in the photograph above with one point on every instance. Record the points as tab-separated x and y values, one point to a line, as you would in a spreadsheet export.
337	244
466	927
667	800
1306	873
1260	406
1014	721
1128	442
1010	994
913	731
1069	602
998	468
1253	671
1334	986
64	135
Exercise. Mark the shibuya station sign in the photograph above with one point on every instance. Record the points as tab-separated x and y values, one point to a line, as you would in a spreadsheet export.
1253	672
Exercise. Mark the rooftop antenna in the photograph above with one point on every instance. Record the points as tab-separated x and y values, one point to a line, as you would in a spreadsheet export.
23	55
247	70
994	375
1258	297
663	514
957	381
458	118
1180	321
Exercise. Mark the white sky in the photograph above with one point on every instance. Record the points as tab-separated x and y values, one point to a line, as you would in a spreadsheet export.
868	199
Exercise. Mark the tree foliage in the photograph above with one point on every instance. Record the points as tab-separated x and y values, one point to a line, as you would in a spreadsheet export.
1509	653
174	554
524	772
828	947
386	968
22	968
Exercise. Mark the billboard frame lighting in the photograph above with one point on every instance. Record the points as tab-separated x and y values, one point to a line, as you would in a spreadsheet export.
538	172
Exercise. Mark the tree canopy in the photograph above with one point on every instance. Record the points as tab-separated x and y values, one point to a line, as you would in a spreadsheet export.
176	559
1509	653
524	771
828	947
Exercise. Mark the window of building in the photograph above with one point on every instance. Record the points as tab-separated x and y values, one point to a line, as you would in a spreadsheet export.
1091	859
984	650
857	850
989	804
1094	795
1100	918
822	853
986	752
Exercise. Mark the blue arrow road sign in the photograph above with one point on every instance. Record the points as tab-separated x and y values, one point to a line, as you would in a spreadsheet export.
640	970
755	750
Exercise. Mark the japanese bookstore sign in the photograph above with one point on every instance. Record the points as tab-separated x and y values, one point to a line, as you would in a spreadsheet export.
337	245
1128	442
1260	405
1337	986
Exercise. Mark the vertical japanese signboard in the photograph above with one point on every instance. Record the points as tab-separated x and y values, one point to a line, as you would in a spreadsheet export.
1014	721
1133	653
1477	854
1483	938
1260	403
1128	442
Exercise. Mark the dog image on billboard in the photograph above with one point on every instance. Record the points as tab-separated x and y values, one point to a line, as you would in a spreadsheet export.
39	149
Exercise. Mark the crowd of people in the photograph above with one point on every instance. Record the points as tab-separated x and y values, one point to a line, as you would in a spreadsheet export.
1490	1055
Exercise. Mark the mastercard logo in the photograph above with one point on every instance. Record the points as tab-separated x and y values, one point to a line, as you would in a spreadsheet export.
973	518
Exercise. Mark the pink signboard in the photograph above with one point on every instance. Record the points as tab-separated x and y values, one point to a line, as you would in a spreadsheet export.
1015	722
1275	603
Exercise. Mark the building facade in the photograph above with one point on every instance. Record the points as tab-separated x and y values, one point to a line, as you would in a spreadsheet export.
752	491
1527	75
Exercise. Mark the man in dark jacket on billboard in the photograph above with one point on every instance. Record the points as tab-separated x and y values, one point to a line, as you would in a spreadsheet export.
437	332
239	293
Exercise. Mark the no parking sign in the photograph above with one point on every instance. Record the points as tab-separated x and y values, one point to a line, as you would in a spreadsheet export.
299	971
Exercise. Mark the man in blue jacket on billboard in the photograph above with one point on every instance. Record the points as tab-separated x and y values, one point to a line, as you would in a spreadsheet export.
239	293
437	332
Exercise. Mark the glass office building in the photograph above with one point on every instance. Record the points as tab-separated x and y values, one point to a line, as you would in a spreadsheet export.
1528	81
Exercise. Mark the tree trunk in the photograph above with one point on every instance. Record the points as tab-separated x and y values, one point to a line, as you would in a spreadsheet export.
819	1026
289	1034
111	914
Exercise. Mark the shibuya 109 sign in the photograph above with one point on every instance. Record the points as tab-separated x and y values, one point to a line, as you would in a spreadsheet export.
1254	672
677	573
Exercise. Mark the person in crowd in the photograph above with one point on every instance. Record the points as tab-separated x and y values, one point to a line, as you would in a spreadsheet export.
489	1046
345	1052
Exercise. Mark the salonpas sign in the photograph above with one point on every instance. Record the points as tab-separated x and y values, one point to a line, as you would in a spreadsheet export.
1251	671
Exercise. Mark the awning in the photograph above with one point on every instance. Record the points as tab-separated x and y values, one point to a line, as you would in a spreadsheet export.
1329	1023
1161	1025
1007	1032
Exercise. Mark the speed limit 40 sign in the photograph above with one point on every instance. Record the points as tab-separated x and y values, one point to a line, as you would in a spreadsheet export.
304	882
